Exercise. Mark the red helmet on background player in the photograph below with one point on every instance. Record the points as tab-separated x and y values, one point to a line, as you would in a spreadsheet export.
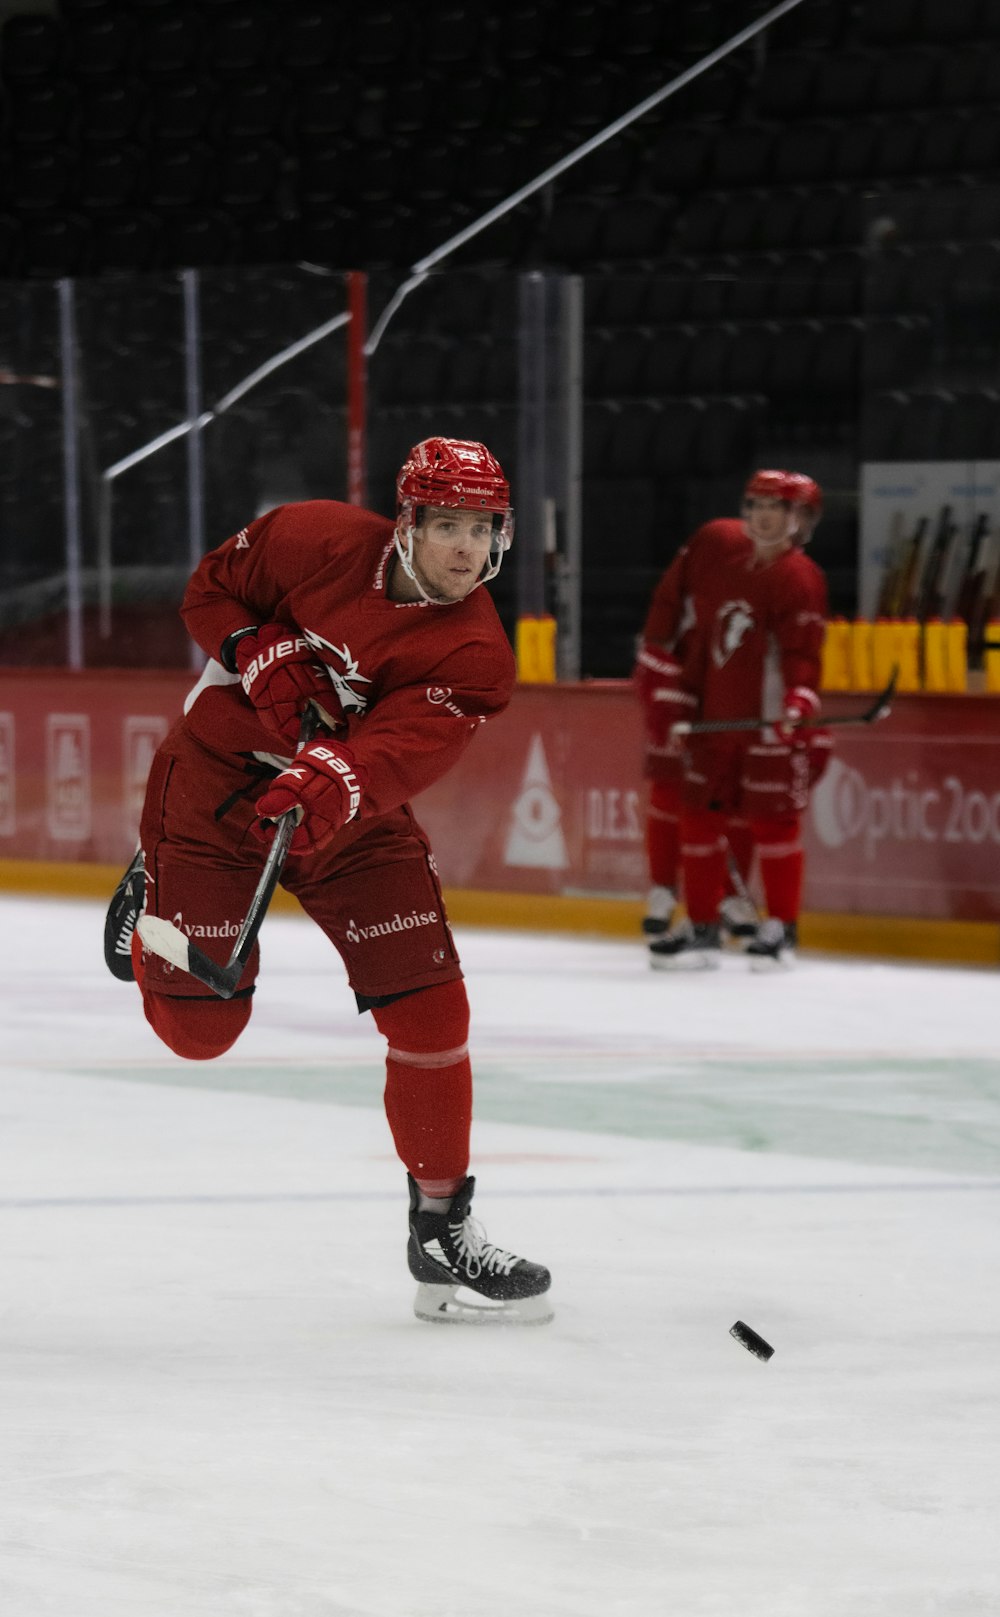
456	474
794	489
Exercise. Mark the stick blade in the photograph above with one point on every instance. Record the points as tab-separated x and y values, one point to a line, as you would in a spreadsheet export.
168	941
162	938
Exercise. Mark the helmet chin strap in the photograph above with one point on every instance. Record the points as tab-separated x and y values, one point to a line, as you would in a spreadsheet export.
404	550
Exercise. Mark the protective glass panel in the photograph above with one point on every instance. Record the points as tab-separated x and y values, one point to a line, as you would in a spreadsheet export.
33	584
930	420
254	356
446	365
692	379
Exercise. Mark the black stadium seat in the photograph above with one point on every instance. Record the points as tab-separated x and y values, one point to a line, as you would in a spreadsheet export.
793	252
31	47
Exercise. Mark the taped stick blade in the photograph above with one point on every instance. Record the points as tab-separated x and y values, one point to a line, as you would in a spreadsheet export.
168	941
162	938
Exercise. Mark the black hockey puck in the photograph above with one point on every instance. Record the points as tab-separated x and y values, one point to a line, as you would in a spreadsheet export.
751	1341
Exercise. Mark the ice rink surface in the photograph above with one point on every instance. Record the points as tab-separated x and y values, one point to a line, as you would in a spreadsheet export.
216	1401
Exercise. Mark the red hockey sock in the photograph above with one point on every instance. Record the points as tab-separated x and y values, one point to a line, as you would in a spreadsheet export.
704	853
428	1090
663	835
779	847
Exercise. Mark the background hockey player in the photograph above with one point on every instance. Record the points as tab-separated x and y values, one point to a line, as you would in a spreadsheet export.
658	677
384	631
735	629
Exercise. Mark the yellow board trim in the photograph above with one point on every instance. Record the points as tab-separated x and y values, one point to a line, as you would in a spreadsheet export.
971	943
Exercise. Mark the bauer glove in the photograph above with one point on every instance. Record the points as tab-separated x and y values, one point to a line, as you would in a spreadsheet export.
322	788
281	675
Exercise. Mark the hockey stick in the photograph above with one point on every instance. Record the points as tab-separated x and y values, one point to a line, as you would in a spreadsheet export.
171	944
741	889
878	710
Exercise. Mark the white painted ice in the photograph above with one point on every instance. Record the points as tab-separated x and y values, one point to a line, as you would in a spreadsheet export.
215	1401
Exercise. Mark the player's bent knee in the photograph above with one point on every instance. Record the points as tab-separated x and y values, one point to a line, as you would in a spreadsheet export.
197	1029
430	1019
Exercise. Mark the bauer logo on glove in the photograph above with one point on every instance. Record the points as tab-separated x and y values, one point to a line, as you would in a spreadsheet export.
280	674
322	787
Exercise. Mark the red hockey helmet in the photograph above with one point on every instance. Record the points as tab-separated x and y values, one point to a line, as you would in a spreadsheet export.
792	487
457	474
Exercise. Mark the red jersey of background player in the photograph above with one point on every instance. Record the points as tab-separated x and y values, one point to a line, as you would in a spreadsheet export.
745	634
401	668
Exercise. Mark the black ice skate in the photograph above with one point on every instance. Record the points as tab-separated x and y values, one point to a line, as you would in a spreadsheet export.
119	923
773	945
448	1253
695	948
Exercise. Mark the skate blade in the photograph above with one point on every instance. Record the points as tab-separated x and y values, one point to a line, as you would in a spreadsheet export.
454	1305
691	960
769	962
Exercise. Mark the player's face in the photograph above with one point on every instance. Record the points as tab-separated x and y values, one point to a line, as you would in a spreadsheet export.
450	550
769	522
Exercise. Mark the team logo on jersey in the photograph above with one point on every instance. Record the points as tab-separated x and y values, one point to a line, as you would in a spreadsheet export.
343	672
733	622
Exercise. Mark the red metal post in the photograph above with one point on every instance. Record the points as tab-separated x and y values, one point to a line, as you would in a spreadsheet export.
357	378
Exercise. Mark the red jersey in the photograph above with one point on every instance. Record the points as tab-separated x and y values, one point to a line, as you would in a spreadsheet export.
414	680
745	632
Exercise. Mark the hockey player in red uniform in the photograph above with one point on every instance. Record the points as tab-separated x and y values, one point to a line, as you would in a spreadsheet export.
735	629
664	702
383	630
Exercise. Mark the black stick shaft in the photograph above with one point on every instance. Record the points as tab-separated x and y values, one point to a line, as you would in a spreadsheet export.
877	710
224	980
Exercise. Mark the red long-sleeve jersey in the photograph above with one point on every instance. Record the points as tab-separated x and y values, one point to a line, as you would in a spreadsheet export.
746	634
415	681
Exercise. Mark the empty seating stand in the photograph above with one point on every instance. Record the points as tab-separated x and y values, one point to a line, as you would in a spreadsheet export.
795	252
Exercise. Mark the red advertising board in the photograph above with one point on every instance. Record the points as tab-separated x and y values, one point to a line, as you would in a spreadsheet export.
75	751
906	820
549	797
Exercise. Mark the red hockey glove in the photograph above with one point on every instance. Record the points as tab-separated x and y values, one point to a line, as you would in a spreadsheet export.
323	786
281	675
800	703
657	677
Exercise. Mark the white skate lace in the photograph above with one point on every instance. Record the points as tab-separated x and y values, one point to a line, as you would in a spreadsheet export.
476	1253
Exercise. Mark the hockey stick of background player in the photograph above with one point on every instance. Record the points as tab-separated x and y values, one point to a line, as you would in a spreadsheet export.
171	944
741	889
878	710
